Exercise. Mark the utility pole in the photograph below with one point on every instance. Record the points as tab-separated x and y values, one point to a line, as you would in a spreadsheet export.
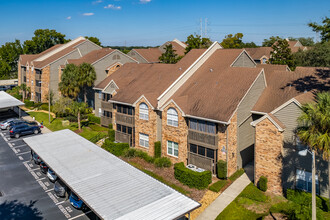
201	22
205	27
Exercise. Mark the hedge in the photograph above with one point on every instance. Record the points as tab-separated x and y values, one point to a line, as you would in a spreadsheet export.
193	179
93	118
217	186
157	150
252	192
110	126
117	149
163	162
222	169
236	175
263	183
111	134
28	103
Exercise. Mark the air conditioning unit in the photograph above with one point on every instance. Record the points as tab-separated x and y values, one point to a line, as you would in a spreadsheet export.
191	166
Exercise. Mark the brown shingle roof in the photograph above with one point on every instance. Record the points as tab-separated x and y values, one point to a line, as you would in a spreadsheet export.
150	54
257	53
277	121
150	80
283	86
216	94
179	49
28	58
92	56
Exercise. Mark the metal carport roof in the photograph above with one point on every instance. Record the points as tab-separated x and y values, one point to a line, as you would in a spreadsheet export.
112	188
7	100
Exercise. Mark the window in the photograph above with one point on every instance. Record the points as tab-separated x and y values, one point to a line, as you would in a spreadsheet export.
264	60
201	151
304	181
144	140
210	128
203	126
31	82
172	117
100	112
107	114
143	108
210	153
100	95
193	148
193	124
172	148
119	108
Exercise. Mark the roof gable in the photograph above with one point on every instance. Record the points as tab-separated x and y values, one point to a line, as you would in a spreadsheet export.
244	60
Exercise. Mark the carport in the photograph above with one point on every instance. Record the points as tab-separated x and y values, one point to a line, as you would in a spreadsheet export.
9	102
110	187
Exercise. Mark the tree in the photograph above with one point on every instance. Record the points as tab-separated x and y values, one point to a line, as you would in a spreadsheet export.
305	41
318	56
250	45
324	29
281	54
23	88
314	126
4	70
9	53
95	40
42	40
195	42
79	108
231	41
169	56
269	42
86	78
62	106
69	85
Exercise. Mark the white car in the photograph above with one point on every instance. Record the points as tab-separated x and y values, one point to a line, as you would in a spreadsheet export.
51	175
4	124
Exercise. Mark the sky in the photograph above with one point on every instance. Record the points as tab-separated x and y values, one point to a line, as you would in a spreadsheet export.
153	22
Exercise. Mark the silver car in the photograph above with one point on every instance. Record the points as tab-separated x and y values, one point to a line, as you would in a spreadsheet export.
5	124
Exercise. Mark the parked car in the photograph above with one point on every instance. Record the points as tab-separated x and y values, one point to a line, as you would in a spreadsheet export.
60	188
35	158
23	129
76	201
20	122
51	175
5	124
43	167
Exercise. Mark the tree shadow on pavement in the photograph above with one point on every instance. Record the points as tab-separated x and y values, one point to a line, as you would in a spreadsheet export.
10	210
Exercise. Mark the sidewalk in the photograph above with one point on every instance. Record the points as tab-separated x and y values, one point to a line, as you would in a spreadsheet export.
44	130
225	198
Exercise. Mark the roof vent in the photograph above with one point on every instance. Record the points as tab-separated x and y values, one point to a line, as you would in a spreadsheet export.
180	68
211	70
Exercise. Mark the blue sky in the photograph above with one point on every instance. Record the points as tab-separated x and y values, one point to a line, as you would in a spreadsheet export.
152	22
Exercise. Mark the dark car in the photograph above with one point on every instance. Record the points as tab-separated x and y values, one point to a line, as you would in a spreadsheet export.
20	122
43	167
36	158
24	129
60	188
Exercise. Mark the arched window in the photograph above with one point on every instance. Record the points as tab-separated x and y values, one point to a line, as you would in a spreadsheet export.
144	113
172	117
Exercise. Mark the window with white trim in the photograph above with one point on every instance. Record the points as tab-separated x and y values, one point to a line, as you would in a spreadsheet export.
100	95
172	148
172	117
304	181
143	140
143	111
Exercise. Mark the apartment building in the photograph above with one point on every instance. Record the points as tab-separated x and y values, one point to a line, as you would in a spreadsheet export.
40	72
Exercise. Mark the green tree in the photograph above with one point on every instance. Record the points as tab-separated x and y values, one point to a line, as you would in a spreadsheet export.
95	40
86	78
231	41
269	42
69	85
23	88
42	40
62	106
195	42
324	29
9	53
79	109
318	56
169	56
305	41
250	45
4	70
281	54
314	126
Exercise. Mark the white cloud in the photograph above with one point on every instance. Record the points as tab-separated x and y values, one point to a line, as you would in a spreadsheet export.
88	14
97	1
145	1
68	18
113	7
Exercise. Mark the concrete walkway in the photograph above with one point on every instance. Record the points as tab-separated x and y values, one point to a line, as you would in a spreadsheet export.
225	198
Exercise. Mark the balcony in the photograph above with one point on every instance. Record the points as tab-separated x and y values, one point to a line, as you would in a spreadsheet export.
38	89
106	106
203	139
122	137
127	120
201	162
105	121
38	76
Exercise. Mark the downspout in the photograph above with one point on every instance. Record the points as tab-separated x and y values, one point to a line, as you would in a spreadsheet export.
227	148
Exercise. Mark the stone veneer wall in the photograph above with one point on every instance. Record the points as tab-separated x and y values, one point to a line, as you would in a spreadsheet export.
19	72
232	145
45	83
33	86
268	155
176	134
146	127
222	141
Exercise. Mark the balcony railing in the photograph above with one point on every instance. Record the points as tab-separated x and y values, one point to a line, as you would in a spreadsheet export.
38	76
106	105
200	161
124	119
105	121
38	89
204	139
122	137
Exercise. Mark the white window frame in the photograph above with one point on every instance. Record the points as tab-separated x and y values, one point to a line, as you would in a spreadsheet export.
305	176
172	117
171	148
100	94
143	111
144	140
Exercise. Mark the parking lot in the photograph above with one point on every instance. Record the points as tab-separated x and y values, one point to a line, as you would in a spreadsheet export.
26	192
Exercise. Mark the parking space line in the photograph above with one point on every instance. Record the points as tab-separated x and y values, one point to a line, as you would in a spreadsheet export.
23	152
50	190
59	202
34	169
80	215
5	139
23	145
41	178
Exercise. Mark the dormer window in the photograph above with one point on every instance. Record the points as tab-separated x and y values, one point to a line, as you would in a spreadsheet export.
143	110
264	60
172	117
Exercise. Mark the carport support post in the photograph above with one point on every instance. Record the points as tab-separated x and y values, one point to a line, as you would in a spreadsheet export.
188	215
19	111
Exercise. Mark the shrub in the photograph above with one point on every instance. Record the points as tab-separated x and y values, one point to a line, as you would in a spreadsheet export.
217	186
117	149
252	192
28	103
93	118
157	150
110	126
236	175
163	162
71	118
111	134
18	96
130	152
145	156
262	184
222	169
193	179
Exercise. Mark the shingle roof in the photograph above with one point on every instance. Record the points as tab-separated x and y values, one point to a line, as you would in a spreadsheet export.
28	58
150	80
257	53
150	54
92	56
216	94
178	48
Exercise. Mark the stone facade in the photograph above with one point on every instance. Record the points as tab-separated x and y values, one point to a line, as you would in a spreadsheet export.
45	83
222	141
176	134
232	145
19	72
148	127
268	155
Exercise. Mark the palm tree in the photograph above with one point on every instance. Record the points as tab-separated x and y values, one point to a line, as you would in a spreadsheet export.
69	85
314	129
87	76
79	108
23	89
